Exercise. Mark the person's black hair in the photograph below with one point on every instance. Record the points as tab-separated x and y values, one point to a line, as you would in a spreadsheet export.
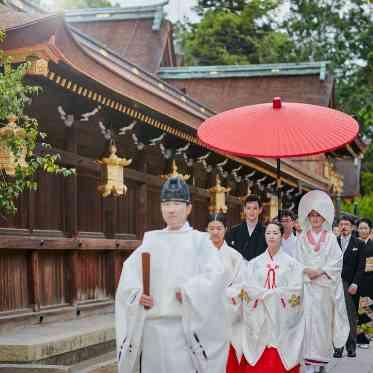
218	216
347	218
252	198
286	213
366	221
276	222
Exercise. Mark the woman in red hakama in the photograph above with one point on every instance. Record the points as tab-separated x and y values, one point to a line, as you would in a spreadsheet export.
272	301
232	261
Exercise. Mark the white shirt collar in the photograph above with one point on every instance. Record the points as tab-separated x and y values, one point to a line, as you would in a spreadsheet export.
184	228
251	227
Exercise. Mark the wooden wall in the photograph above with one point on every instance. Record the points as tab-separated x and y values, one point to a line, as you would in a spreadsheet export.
66	245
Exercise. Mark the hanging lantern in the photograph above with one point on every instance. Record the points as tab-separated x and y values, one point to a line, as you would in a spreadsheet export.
174	172
8	161
113	174
218	197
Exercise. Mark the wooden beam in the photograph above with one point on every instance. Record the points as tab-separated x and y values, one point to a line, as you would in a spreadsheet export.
31	243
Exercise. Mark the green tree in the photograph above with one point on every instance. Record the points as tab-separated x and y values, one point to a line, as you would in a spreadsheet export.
14	97
367	182
339	31
225	36
81	4
229	5
363	206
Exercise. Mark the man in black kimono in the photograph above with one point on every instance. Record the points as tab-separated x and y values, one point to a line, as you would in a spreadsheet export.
248	237
353	269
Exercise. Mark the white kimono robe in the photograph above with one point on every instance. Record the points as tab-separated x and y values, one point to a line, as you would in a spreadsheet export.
233	264
185	337
273	308
325	308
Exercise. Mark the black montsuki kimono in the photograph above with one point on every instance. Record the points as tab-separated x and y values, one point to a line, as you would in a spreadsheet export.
248	246
366	282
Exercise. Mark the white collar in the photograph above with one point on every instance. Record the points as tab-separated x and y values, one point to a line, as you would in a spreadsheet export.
346	238
184	228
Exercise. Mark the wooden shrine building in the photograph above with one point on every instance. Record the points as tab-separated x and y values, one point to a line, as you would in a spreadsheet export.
111	74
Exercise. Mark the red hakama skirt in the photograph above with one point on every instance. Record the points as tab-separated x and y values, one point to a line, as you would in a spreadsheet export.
269	362
233	365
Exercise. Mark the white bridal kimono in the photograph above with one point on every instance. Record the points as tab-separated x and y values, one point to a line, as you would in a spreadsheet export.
233	264
325	308
273	308
185	337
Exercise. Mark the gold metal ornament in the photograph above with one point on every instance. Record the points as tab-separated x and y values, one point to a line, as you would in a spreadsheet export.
244	296
113	173
174	173
38	67
218	197
8	161
294	300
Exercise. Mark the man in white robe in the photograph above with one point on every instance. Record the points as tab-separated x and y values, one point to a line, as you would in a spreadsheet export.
184	329
324	304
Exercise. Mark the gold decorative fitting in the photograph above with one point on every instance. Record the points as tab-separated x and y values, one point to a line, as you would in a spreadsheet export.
112	167
175	173
244	296
38	67
294	300
218	197
8	161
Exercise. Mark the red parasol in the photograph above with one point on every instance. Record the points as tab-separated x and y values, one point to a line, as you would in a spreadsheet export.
278	130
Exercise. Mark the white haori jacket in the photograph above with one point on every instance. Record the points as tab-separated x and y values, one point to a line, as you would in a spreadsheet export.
325	307
273	315
233	263
182	261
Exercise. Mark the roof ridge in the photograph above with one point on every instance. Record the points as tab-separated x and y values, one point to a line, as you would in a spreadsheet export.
247	66
226	71
152	11
122	9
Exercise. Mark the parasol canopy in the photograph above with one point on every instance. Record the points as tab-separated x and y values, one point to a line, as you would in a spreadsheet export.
278	130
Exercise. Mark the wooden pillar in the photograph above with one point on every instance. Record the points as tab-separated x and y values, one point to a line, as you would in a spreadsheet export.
109	211
142	199
74	278
117	261
71	185
32	209
35	282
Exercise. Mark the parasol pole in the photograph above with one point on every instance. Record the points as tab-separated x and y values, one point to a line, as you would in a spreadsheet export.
279	202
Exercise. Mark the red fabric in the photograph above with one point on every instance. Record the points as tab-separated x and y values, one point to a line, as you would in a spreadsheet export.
233	365
291	130
269	362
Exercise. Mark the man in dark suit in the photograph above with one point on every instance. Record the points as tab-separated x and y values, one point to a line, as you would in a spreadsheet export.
248	237
352	272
